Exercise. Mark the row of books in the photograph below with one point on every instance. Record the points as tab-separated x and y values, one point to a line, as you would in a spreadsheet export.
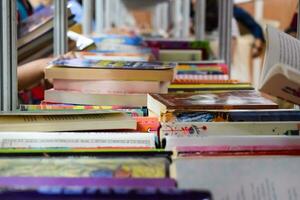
219	130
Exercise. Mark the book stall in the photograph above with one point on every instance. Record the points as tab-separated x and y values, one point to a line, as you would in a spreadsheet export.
143	113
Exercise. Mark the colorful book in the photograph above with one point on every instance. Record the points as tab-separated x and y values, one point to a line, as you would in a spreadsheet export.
119	39
209	87
131	111
200	129
83	69
204	46
114	56
234	116
120	189
226	100
85	167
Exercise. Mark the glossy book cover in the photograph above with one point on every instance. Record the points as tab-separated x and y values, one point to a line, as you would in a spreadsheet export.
106	64
246	99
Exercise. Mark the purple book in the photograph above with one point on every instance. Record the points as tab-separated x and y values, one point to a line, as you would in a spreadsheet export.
15	181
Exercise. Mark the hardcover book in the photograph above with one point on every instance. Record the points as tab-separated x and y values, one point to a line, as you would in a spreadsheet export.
84	69
244	99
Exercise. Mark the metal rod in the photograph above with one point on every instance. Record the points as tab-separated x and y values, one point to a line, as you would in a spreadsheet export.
87	17
60	27
157	18
107	12
165	16
9	90
175	13
298	21
200	19
186	18
99	16
225	32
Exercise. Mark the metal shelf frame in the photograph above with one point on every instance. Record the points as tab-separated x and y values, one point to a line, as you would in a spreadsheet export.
103	14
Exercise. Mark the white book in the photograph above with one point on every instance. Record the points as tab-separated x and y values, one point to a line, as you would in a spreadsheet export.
240	177
281	71
198	129
76	140
172	142
65	121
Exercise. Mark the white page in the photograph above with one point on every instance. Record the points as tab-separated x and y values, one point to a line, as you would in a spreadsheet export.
242	178
281	49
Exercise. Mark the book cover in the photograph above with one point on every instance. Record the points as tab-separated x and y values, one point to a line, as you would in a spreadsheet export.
131	111
113	56
84	166
204	46
244	99
119	39
117	189
66	121
106	64
236	116
36	21
209	87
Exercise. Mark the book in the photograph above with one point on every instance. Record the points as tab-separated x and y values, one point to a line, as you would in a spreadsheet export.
85	166
238	177
209	86
243	150
119	39
111	87
200	129
117	189
36	33
203	46
244	99
263	115
73	97
114	56
170	142
83	69
77	140
35	26
281	70
131	111
82	42
175	55
65	121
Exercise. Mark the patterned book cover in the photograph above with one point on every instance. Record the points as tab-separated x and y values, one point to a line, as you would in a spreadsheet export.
84	167
106	64
244	99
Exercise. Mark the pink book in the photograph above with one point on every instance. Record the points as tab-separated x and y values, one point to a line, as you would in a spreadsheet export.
111	86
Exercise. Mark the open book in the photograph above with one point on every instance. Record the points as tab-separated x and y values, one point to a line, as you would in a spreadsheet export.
281	72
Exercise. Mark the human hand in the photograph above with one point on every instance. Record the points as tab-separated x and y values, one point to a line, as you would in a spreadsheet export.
257	48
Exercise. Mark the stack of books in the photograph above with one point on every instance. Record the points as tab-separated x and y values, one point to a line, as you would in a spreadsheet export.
107	83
